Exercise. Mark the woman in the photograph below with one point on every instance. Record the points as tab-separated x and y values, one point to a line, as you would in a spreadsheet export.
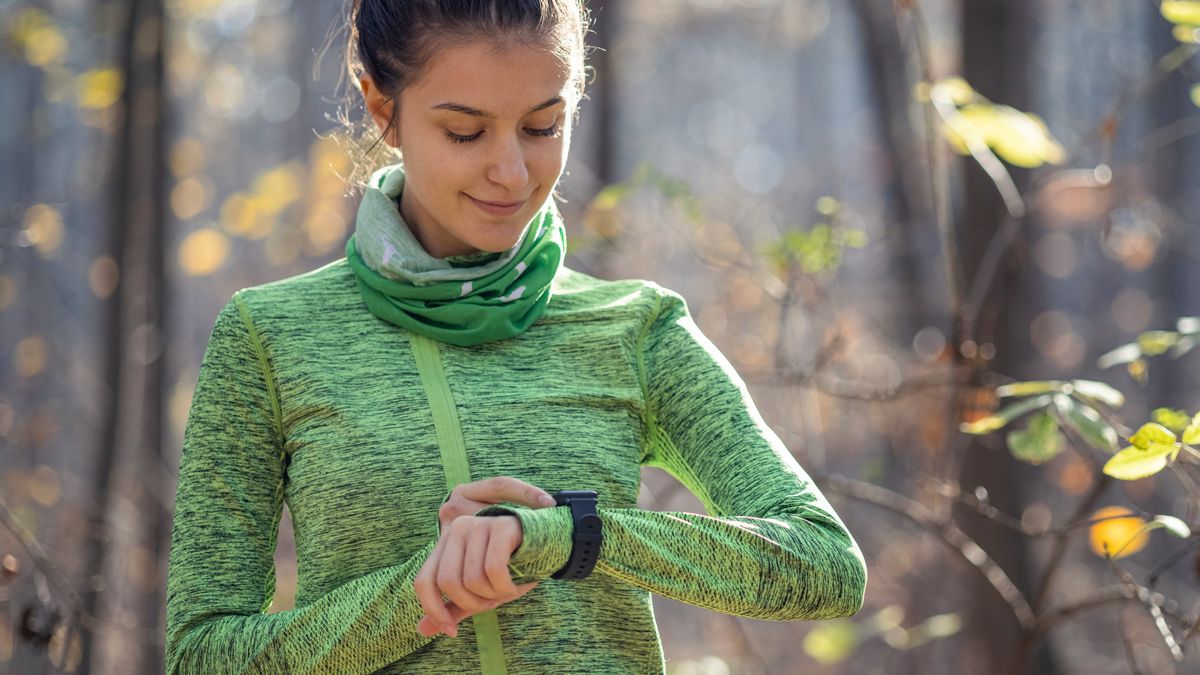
416	401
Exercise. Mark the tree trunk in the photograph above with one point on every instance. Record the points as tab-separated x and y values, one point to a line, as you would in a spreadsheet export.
996	35
132	435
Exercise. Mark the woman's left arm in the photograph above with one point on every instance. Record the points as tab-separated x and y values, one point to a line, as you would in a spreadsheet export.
772	548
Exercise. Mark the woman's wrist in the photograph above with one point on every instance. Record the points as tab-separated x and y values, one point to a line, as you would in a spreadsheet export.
545	540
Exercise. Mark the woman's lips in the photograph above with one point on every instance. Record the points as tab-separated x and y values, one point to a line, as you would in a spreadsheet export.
498	208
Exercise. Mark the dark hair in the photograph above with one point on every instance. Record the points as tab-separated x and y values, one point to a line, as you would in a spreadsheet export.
393	40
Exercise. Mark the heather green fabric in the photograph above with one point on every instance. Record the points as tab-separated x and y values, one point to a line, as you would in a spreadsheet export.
306	398
402	284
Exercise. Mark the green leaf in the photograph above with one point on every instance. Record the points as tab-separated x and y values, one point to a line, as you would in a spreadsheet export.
1122	354
1030	388
1037	442
1186	34
1191	435
827	205
1186	344
1004	416
1152	433
1186	12
1155	342
1175	420
1099	391
1087	423
1173	525
611	196
855	238
1134	463
831	641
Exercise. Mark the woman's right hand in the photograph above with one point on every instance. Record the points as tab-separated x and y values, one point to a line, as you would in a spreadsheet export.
468	499
481	581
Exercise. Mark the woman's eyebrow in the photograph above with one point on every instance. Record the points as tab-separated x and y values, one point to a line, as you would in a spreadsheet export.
475	112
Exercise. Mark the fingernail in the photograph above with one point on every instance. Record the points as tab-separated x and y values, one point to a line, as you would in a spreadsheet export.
547	500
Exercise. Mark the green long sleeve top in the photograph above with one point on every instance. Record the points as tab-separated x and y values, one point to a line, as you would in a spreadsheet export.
305	397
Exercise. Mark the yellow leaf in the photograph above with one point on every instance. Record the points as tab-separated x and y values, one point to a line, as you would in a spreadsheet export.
1120	536
956	89
1196	94
99	88
1186	34
1134	463
1191	435
1021	139
1018	138
1155	342
1152	433
982	425
831	641
1181	11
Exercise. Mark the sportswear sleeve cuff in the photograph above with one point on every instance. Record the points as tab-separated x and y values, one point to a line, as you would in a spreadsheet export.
545	542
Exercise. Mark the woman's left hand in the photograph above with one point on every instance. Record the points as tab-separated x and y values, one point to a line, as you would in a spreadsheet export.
469	565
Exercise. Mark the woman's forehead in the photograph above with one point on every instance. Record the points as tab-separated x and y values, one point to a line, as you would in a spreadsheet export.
499	79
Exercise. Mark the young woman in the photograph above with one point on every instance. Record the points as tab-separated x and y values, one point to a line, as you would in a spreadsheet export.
416	402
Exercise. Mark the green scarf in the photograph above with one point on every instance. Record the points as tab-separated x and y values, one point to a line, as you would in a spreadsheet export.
462	300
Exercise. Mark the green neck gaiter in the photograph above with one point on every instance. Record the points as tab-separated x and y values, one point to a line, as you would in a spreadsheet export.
461	300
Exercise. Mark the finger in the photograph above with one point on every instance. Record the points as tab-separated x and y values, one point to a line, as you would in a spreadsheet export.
450	568
427	590
459	506
499	552
457	613
475	575
506	489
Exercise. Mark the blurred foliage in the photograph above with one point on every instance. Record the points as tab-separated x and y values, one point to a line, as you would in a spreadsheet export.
832	641
1019	138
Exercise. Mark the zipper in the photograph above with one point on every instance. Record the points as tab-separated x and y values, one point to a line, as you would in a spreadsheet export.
458	471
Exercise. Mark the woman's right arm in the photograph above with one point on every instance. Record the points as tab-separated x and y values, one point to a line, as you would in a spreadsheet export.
221	575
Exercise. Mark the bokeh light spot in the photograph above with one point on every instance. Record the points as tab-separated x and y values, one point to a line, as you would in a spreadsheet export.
203	251
103	276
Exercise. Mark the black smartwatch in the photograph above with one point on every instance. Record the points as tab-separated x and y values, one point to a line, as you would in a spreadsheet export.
586	538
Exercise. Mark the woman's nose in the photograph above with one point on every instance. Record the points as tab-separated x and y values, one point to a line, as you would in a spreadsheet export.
508	166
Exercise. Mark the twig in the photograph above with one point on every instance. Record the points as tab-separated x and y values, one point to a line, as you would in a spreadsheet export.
1170	560
1062	536
1150	600
1104	596
939	175
943	529
40	560
982	506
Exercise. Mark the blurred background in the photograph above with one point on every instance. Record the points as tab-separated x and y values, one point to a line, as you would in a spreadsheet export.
897	218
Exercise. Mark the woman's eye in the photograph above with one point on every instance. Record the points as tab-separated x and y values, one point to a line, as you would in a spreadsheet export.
458	138
549	131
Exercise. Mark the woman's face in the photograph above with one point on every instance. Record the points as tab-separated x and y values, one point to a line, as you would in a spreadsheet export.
484	135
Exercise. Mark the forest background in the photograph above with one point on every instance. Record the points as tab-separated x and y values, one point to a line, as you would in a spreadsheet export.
950	245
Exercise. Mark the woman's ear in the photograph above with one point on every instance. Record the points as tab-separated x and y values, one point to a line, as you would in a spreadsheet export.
380	109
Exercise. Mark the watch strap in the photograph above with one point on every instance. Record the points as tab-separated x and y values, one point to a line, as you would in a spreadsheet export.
586	537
